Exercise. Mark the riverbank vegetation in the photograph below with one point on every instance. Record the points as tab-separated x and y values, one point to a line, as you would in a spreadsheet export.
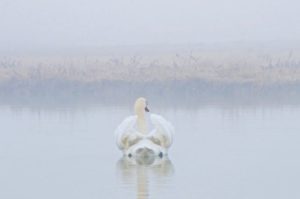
198	71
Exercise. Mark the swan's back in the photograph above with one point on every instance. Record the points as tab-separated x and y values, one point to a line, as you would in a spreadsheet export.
163	131
125	132
158	138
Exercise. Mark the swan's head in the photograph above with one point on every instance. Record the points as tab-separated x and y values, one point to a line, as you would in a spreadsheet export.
140	106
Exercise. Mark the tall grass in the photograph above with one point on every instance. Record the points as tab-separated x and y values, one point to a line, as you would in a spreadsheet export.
219	66
207	75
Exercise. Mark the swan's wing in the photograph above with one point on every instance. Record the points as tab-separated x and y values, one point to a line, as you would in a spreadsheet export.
125	133
163	131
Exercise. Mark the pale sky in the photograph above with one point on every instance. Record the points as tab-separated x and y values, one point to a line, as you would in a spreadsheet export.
134	22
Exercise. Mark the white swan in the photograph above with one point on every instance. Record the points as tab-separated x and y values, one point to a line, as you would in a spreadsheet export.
143	134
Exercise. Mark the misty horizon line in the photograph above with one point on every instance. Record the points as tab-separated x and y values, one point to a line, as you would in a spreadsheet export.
33	47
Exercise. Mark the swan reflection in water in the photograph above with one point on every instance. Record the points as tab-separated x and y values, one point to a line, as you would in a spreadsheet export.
141	172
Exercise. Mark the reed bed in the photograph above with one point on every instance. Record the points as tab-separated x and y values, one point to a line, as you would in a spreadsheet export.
194	76
214	66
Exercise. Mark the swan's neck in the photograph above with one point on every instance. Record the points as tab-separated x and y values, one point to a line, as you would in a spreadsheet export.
141	123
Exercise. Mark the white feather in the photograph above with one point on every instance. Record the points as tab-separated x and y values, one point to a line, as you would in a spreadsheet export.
126	132
158	138
163	130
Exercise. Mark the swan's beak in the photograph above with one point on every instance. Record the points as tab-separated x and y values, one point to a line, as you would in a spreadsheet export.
146	109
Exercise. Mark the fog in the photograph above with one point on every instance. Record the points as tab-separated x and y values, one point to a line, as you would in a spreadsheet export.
225	74
54	23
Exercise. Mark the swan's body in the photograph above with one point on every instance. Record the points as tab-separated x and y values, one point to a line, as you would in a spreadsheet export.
144	134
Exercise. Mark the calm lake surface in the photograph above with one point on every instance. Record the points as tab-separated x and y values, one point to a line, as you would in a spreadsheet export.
218	152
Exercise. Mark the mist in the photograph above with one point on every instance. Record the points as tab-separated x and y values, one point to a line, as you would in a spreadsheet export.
163	99
78	23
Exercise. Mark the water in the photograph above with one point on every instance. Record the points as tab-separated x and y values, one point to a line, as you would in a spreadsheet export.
218	152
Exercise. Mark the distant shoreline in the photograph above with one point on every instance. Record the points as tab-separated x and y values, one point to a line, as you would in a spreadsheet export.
198	74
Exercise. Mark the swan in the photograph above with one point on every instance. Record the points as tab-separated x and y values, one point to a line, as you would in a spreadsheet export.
144	134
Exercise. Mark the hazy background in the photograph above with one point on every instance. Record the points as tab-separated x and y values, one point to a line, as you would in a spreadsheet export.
101	49
39	24
226	74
